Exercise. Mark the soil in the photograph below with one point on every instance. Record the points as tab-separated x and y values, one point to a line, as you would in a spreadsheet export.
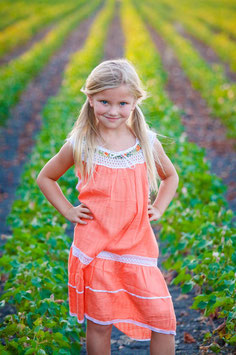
201	128
18	138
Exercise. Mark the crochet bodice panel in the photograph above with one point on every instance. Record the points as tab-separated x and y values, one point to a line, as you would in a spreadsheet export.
127	158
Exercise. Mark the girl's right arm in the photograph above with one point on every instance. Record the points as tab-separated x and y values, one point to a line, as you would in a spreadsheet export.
47	182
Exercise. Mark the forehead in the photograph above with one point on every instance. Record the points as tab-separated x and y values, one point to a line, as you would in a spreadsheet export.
120	93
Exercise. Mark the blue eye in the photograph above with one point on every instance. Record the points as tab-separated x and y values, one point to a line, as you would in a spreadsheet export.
104	101
123	103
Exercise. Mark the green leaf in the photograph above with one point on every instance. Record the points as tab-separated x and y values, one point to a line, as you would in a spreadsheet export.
30	351
187	287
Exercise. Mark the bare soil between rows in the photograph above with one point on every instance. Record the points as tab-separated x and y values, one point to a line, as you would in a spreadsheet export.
17	137
206	131
17	140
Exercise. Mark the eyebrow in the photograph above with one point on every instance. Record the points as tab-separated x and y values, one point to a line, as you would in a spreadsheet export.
105	99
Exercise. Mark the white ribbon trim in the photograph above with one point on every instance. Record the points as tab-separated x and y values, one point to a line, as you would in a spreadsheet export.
85	259
125	321
119	290
125	258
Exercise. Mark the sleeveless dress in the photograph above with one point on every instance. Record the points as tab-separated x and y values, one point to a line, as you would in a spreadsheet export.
113	277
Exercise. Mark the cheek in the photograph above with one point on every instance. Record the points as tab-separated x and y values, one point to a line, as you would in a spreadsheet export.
99	109
126	111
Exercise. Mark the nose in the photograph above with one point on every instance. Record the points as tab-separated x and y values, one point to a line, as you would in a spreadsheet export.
113	110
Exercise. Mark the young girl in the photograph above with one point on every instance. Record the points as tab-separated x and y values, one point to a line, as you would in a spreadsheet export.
112	266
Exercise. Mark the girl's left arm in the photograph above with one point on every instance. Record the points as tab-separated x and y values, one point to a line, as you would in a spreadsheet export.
168	185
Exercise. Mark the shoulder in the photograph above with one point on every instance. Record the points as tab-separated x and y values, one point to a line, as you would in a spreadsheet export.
71	140
154	142
151	137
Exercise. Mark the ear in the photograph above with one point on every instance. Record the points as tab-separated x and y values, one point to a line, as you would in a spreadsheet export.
90	98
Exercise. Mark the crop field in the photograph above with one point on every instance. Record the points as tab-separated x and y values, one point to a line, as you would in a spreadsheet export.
185	54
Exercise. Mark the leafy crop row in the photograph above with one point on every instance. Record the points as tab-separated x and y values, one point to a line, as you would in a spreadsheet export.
10	15
21	31
197	227
222	44
16	75
36	255
224	22
12	12
219	17
214	87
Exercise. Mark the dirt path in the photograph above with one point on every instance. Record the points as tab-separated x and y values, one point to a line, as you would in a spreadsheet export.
18	137
205	51
201	128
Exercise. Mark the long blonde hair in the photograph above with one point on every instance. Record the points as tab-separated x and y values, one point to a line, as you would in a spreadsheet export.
107	75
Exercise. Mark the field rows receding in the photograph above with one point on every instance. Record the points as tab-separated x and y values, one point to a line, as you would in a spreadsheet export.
22	31
17	74
197	228
196	22
214	87
203	129
17	137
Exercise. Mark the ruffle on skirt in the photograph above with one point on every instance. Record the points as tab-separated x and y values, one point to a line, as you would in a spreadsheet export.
129	292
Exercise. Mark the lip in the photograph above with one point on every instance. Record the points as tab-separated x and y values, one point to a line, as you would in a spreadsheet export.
112	118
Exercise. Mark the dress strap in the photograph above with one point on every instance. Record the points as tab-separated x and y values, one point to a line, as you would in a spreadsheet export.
151	137
71	139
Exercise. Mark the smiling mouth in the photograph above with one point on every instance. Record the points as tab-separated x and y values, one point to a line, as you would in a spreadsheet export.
112	118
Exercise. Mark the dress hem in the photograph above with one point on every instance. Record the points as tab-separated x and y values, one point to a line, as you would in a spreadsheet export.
124	321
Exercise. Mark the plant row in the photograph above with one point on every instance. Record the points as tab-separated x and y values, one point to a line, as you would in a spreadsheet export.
218	16
211	82
195	23
218	21
197	227
36	255
17	74
22	31
10	15
12	12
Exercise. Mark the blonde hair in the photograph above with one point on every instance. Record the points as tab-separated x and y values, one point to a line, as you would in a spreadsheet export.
107	75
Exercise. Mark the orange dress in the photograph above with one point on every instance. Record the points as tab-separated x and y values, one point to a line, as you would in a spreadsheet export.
113	277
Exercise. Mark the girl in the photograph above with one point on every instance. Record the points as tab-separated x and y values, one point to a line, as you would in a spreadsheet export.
112	267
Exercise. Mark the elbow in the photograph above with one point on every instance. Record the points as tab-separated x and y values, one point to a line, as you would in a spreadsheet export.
39	179
177	179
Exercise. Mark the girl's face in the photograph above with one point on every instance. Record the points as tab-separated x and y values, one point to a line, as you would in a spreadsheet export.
112	107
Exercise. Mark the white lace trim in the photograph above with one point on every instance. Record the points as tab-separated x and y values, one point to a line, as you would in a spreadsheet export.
85	259
127	158
125	258
119	160
129	259
120	290
120	151
158	330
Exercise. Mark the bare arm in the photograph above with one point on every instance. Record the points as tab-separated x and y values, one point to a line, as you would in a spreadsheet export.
47	182
167	186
